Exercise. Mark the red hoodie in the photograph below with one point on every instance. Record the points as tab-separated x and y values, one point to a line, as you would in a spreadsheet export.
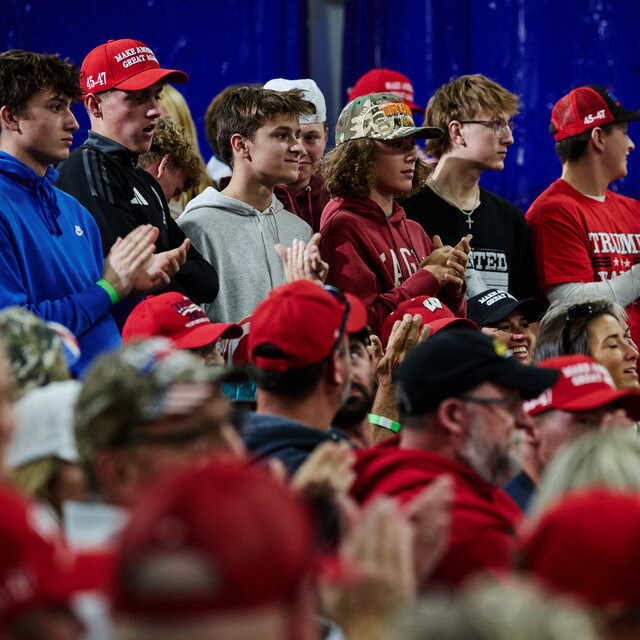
376	258
308	203
484	518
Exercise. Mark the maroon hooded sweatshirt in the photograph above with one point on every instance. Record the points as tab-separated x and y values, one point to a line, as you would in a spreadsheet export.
484	518
308	203
376	258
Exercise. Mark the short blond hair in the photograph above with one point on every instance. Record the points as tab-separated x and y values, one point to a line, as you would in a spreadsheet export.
465	98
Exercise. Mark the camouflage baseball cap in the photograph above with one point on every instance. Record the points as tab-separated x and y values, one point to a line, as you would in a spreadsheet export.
34	350
381	116
143	382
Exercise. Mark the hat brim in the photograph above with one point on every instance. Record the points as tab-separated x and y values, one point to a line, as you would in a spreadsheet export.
206	334
530	308
630	400
529	380
148	77
629	116
357	319
418	132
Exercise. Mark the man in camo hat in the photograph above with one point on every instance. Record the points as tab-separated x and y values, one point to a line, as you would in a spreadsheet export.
145	410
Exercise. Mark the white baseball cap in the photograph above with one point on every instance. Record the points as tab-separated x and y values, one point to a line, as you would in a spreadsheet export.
312	93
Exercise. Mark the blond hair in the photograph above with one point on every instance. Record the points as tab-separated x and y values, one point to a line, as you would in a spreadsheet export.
465	98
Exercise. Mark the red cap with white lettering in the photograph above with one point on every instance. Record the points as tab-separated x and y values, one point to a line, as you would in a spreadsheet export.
434	313
125	64
583	385
586	108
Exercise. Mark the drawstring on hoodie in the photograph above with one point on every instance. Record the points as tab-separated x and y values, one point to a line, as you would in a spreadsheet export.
49	203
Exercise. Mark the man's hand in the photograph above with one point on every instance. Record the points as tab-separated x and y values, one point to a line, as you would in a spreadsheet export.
128	257
161	268
303	261
447	264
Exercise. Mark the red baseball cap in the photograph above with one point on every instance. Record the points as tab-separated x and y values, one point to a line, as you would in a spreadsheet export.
225	537
304	321
586	108
36	567
583	384
385	81
178	318
434	313
586	545
126	64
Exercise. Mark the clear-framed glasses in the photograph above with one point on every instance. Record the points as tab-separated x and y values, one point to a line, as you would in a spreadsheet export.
500	127
510	403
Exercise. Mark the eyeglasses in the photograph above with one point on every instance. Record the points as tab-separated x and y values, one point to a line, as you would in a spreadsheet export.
499	126
344	301
511	403
575	311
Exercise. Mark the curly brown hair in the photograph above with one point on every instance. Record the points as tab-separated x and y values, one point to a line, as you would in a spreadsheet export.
465	98
349	170
170	138
247	108
24	73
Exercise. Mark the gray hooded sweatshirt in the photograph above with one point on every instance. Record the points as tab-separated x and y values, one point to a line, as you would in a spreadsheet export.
239	242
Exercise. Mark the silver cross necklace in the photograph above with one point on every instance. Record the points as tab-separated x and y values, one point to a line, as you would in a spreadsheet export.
467	212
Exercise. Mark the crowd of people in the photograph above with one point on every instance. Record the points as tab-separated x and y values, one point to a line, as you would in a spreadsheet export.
289	394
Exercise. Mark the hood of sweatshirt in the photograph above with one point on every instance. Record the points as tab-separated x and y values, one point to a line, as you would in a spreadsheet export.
210	198
42	186
365	207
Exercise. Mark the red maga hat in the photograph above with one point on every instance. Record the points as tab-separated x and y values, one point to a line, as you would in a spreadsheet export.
385	81
434	313
586	545
222	538
586	108
128	65
178	318
304	321
583	384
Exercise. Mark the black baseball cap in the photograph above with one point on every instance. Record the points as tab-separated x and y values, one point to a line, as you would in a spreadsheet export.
451	362
494	305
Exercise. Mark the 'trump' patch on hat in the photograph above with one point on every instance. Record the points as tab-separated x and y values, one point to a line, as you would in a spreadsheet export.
585	108
128	65
380	116
434	313
450	363
583	384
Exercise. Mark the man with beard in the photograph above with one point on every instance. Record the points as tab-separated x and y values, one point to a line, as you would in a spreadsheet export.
460	399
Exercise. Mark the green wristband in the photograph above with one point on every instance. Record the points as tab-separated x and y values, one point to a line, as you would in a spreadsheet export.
113	296
386	423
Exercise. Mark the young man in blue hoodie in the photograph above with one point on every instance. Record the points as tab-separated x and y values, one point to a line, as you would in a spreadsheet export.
50	249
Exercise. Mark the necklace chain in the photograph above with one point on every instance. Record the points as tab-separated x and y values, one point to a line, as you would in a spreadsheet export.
467	213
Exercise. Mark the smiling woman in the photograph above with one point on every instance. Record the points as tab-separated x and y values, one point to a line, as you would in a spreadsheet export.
595	327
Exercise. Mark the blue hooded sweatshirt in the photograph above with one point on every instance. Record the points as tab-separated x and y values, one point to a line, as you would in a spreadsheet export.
51	258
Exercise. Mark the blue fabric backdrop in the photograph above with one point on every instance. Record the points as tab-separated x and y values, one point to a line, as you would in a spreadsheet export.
539	49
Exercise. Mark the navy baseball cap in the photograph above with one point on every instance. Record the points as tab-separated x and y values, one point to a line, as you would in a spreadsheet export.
494	305
451	362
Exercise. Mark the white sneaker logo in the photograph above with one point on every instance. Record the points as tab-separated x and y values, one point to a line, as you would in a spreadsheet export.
79	230
137	197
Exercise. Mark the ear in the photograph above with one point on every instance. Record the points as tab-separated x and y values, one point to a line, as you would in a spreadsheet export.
337	369
326	134
455	133
8	119
452	416
597	139
239	146
93	105
165	164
